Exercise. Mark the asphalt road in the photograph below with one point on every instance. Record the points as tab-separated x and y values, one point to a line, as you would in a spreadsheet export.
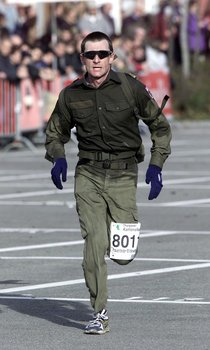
160	301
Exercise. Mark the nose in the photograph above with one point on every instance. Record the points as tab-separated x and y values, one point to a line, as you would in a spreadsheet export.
96	58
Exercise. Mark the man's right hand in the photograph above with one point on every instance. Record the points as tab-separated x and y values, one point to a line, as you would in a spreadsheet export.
59	168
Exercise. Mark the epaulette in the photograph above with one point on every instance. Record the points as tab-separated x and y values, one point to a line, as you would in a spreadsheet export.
132	75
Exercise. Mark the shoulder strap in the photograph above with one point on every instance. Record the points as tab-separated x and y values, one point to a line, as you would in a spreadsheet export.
128	93
131	100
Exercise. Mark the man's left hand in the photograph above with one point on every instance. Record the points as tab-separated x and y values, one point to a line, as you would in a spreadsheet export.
154	176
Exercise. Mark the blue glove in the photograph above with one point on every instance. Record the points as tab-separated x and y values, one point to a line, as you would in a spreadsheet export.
154	176
59	168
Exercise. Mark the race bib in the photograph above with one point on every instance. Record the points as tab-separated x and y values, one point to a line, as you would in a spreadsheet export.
124	240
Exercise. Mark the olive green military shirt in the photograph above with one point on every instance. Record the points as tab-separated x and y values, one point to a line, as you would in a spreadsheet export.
105	121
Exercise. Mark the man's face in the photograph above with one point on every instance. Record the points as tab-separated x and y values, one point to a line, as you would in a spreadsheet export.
96	67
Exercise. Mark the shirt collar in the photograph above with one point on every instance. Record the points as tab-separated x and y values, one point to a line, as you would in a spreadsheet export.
111	76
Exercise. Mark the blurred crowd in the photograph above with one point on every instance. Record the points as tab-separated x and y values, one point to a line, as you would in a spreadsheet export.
143	44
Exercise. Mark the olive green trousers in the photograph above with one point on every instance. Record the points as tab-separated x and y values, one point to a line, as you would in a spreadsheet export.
102	196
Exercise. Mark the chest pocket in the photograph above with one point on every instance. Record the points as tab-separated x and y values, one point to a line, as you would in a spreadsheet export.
81	109
118	106
83	113
118	112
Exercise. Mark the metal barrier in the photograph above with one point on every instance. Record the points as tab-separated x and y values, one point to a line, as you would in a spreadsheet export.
10	111
8	96
26	107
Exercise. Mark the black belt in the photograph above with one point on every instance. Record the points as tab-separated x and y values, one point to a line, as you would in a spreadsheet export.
103	156
121	164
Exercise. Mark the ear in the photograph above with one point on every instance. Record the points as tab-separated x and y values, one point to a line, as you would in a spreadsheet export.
112	58
82	59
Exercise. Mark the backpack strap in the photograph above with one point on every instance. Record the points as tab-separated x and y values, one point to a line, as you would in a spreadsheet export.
126	88
131	100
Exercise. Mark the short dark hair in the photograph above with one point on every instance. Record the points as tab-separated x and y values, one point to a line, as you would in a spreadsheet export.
96	36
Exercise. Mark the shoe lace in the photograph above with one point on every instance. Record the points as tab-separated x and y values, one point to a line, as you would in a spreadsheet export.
101	315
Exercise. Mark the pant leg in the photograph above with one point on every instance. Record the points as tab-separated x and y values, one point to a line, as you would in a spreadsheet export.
120	195
92	211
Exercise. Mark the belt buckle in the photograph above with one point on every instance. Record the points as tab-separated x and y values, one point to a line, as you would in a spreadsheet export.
106	164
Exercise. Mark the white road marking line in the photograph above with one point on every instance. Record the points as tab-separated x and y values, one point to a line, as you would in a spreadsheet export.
185	172
188	187
187	160
197	203
185	203
161	298
157	234
72	204
110	277
71	190
133	298
69	243
180	181
192	152
41	257
168	233
69	204
35	193
132	301
37	230
144	233
31	257
192	299
33	176
41	246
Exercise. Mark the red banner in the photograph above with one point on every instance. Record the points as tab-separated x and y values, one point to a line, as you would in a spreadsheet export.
159	85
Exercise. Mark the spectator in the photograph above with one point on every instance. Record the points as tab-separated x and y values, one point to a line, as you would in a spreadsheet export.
11	15
176	22
93	20
196	30
71	18
160	32
139	59
4	32
134	20
106	11
123	48
60	53
7	70
16	40
66	36
73	62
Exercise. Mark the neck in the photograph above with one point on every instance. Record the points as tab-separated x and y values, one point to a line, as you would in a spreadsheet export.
96	82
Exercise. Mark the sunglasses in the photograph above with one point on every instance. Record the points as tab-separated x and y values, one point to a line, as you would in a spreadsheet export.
92	54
